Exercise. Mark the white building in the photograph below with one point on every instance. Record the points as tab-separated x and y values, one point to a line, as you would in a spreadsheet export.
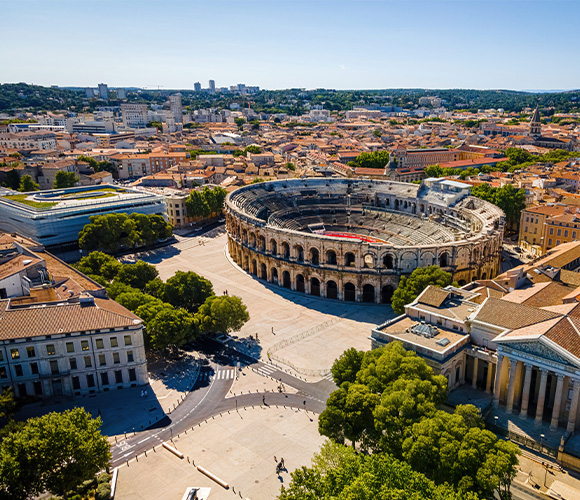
134	115
212	86
103	91
29	140
176	108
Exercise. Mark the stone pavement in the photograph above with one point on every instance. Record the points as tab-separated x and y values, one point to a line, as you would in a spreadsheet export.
239	448
276	314
535	476
126	410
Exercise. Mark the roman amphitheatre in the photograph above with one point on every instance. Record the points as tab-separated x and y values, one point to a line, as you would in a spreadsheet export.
353	239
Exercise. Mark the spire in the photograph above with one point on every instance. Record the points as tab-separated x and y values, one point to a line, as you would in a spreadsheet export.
535	124
536	116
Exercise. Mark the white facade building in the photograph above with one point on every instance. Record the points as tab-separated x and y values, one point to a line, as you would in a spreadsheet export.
134	115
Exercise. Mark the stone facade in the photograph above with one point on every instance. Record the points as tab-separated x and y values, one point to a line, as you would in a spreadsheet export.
352	239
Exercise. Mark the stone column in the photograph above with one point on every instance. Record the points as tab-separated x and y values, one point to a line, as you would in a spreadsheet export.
474	376
526	391
557	403
541	396
496	386
511	385
573	407
489	377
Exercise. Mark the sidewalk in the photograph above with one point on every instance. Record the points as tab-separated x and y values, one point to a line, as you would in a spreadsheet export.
127	410
539	478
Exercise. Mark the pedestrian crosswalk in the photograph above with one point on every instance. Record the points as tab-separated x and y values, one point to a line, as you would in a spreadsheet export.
225	374
266	370
328	377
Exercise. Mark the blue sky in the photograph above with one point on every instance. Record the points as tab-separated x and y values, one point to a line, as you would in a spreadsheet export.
281	44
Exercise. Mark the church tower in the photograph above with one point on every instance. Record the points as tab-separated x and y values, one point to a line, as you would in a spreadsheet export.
535	124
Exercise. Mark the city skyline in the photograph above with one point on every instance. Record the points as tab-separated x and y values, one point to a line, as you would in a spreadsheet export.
343	45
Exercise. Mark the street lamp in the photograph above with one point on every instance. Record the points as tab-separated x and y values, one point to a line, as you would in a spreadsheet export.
542	436
496	418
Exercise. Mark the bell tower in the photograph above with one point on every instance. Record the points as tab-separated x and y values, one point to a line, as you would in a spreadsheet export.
535	124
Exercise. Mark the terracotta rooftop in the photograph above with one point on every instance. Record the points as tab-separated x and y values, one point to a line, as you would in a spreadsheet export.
511	315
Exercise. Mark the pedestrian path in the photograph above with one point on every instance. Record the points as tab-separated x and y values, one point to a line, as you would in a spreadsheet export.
328	376
225	374
266	370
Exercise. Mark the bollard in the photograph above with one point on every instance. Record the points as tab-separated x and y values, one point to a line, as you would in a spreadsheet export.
133	431
145	452
116	439
154	449
136	458
127	463
188	459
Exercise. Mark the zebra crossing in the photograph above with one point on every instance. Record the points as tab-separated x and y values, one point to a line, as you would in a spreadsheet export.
266	370
328	377
224	374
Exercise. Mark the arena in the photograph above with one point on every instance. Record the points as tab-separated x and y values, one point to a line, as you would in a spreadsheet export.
352	239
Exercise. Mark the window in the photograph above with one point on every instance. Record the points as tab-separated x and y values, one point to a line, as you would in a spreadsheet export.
99	343
116	358
54	367
88	362
102	360
34	368
132	375
1	355
559	232
73	363
105	378
551	230
130	357
37	388
3	372
14	353
70	347
85	345
574	235
114	342
18	370
128	340
91	380
118	376
50	350
76	383
566	233
550	241
30	352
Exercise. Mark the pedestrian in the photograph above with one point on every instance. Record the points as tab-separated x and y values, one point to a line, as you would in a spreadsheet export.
145	392
263	398
142	392
275	459
282	466
256	335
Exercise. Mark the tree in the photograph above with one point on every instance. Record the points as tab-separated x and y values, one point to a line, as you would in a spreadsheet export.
377	133
224	314
186	289
255	150
290	166
196	205
27	184
510	199
56	452
133	299
346	367
100	264
13	179
376	159
433	171
7	404
137	275
170	327
257	180
239	122
65	179
338	472
410	287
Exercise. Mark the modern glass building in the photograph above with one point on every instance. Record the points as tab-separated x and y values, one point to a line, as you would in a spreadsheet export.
55	217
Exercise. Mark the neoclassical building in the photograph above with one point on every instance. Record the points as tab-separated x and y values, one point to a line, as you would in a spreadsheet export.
352	239
516	337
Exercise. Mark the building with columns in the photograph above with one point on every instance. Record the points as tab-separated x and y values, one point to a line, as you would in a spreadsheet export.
516	337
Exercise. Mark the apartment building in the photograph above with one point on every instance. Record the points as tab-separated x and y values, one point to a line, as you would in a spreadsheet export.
134	115
140	165
534	233
29	140
176	107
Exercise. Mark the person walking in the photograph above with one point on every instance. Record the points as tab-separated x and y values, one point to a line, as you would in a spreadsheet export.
282	466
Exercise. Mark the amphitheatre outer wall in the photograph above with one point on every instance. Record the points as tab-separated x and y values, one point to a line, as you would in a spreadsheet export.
276	232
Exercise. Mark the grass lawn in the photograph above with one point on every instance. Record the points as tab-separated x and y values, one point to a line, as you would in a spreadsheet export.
21	198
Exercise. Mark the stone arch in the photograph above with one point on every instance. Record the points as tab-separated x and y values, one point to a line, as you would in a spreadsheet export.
349	292
245	236
314	256
331	290
261	243
299	253
483	276
444	260
427	258
315	287
461	282
274	275
254	270
300	283
389	261
349	259
368	293
285	250
263	271
252	240
273	247
369	260
331	257
387	294
286	280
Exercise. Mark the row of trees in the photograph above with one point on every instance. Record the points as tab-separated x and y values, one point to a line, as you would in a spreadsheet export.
174	312
118	231
377	159
205	202
387	405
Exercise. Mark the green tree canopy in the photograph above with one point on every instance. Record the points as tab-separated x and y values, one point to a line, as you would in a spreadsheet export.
13	179
376	159
223	314
185	289
170	327
55	453
100	264
196	205
410	287
27	184
509	198
339	473
65	179
137	275
253	149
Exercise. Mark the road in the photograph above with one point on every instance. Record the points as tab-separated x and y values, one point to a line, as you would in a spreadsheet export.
208	399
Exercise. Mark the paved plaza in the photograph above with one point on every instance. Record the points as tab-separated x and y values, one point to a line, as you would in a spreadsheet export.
328	326
239	448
